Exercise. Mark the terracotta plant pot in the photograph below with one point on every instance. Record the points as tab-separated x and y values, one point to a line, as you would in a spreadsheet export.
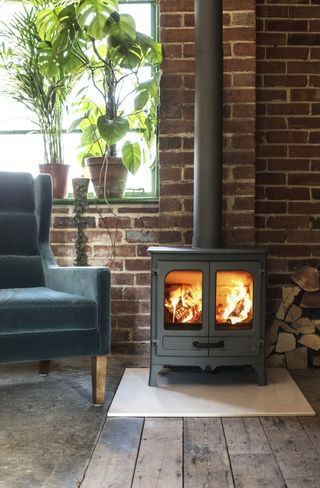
108	175
59	174
80	184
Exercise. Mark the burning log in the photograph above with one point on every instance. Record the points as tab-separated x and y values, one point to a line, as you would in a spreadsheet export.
184	303
237	307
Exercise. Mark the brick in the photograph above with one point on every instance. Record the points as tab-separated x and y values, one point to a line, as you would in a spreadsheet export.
137	264
177	35
146	222
171	20
115	222
287	222
122	279
142	279
68	222
286	25
142	236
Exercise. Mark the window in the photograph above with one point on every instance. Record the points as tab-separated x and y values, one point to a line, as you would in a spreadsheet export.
21	145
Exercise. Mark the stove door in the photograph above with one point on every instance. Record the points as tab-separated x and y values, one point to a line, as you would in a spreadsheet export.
182	297
236	320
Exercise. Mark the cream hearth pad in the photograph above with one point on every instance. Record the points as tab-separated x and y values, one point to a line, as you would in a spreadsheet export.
185	393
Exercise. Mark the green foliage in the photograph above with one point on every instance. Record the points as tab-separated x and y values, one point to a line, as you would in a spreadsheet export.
91	37
35	77
112	130
79	207
131	156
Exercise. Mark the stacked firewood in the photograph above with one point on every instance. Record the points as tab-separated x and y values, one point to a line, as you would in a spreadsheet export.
293	339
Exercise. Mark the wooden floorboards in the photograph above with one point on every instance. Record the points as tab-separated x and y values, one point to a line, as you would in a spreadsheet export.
266	452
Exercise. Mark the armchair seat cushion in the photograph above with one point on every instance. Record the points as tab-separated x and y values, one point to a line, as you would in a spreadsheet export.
41	309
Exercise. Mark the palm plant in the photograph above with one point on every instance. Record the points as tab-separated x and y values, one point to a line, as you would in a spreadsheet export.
43	94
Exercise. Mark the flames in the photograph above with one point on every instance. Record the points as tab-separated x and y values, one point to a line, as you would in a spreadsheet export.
184	303
183	298
237	307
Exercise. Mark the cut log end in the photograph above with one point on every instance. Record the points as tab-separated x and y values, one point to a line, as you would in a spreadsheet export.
307	278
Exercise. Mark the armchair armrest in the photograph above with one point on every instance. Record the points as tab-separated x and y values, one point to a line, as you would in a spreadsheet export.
91	282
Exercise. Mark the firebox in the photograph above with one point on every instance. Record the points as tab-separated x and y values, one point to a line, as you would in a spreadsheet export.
208	308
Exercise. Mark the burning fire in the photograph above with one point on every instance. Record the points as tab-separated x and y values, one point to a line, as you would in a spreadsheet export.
184	303
238	305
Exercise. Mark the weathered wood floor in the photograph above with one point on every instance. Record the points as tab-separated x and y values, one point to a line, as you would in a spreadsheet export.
268	452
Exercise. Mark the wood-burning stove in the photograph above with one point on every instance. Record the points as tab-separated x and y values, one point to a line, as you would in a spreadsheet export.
208	308
208	303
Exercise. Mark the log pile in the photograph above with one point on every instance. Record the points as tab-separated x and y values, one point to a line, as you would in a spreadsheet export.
293	339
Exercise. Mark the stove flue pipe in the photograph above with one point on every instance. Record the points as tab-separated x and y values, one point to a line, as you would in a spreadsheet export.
207	210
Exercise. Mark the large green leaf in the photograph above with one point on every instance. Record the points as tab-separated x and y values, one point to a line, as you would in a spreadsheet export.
93	15
155	53
72	64
48	62
127	55
141	100
126	29
76	123
152	86
47	23
112	130
131	156
89	136
152	50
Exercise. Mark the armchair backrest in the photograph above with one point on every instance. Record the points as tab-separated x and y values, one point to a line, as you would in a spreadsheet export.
20	260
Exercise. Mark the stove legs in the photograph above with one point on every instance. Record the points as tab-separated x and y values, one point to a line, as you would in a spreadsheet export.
156	368
262	380
154	371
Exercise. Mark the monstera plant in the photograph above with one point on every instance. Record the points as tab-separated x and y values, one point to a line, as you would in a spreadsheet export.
117	111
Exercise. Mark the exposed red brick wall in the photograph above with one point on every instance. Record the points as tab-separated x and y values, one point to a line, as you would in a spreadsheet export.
288	156
170	223
118	239
177	121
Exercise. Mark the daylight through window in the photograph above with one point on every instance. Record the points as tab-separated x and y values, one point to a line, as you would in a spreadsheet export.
21	144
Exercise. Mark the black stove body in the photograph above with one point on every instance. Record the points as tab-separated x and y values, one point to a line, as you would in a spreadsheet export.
189	323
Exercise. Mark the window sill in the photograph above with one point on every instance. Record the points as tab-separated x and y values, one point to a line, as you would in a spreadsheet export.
115	201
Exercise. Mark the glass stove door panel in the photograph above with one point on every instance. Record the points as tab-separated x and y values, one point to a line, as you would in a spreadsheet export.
241	282
182	307
234	299
183	300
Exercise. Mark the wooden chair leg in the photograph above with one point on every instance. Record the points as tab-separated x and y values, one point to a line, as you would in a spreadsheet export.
99	374
44	367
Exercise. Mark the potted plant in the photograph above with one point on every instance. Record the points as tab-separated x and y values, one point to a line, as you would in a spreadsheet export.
110	53
40	89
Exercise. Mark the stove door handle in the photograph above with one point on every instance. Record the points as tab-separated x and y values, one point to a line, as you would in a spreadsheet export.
208	345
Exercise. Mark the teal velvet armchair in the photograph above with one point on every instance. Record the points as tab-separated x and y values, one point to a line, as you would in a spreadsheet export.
46	311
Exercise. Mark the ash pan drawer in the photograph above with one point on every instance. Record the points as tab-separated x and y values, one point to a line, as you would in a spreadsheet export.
181	343
234	346
216	346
